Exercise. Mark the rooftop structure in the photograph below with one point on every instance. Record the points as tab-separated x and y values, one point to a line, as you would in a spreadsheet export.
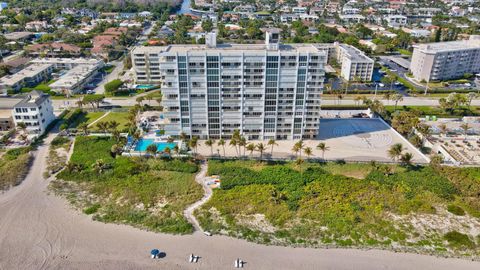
446	60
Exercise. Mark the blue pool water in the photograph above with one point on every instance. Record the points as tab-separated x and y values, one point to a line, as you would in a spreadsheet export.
144	86
142	145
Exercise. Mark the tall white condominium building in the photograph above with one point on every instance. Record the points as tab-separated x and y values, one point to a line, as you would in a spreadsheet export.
36	111
446	60
265	91
356	66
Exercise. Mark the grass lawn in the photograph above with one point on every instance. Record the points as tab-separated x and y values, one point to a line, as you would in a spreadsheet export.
367	205
146	193
88	118
120	117
405	52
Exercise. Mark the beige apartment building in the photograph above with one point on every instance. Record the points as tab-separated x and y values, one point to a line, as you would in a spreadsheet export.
446	60
356	66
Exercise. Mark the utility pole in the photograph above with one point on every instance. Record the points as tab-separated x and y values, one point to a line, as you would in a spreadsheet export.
426	88
376	89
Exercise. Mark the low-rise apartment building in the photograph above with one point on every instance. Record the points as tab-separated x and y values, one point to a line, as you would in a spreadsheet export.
266	91
29	76
75	79
355	65
446	60
36	111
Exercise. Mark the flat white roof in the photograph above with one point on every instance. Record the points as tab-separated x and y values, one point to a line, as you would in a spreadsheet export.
73	76
28	72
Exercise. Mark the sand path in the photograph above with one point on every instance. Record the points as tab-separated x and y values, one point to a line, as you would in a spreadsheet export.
207	191
41	231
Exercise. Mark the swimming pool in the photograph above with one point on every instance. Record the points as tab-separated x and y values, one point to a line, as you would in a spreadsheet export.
144	86
142	145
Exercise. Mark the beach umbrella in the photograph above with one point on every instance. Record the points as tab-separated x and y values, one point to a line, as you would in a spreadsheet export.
155	252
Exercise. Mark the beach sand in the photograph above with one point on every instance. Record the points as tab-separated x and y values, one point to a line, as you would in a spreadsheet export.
41	231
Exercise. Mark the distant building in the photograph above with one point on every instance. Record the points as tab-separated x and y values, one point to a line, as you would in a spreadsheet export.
18	36
6	120
55	49
396	20
446	60
36	111
355	64
36	26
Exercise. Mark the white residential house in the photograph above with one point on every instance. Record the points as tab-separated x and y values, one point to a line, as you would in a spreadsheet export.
396	20
36	111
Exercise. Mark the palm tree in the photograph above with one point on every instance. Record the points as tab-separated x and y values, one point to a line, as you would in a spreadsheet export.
234	143
84	127
272	143
102	126
323	147
116	135
251	148
397	98
100	166
221	143
406	159
170	139
116	150
261	148
24	137
465	128
443	129
168	151
308	152
176	150
152	149
183	136
242	143
387	96
22	126
299	145
210	143
113	125
193	143
395	151
295	149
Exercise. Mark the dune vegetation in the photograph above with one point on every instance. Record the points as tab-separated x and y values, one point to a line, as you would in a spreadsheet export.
14	165
312	204
146	193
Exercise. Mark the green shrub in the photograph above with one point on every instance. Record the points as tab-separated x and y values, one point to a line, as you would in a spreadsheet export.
458	240
113	85
455	209
91	209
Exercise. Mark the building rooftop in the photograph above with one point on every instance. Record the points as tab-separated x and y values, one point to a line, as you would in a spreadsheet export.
77	61
27	72
18	35
301	48
73	76
32	99
354	53
472	43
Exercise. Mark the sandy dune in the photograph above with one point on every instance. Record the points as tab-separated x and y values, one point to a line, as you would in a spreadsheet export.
40	231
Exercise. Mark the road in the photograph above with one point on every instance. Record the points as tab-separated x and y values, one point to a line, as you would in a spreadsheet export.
408	101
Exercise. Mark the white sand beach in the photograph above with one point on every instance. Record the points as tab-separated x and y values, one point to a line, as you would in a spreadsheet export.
40	231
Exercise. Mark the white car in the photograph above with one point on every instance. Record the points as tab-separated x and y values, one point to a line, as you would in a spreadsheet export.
207	233
381	85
